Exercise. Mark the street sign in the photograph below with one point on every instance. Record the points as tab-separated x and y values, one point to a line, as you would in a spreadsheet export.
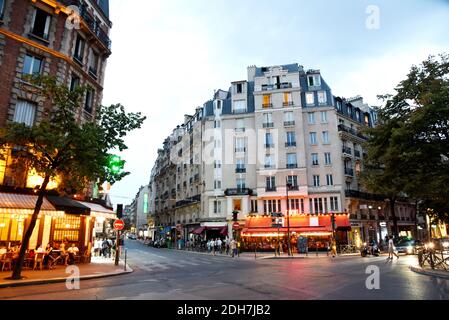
236	226
119	224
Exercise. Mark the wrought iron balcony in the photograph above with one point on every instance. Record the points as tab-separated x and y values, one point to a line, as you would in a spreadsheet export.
240	170
288	104
269	145
292	165
268	125
289	123
267	105
270	189
290	144
343	128
239	192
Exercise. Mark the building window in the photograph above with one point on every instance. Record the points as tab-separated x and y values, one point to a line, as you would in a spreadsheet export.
239	106
291	139
269	140
314	80
325	137
25	113
266	101
334	203
217	124
327	158
323	116
217	207
315	161
88	105
322	99
32	65
241	184
302	205
241	165
240	125
79	48
312	138
292	161
2	8
288	101
269	161
311	117
217	184
239	88
67	227
292	180
41	24
310	98
240	145
288	116
254	206
316	181
293	204
74	82
94	58
217	164
271	183
268	120
217	144
329	180
272	206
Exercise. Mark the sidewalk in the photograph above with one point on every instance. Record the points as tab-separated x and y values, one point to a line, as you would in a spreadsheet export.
430	272
98	268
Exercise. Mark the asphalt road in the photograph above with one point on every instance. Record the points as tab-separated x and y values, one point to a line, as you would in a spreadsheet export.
162	274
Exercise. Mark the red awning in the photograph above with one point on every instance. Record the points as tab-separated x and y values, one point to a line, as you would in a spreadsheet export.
198	231
285	230
224	231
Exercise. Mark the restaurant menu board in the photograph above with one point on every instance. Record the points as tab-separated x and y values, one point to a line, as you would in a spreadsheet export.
302	245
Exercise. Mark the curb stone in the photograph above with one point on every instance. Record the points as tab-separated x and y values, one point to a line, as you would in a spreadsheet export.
431	273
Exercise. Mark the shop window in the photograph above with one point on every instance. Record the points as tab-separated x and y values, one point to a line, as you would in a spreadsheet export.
67	227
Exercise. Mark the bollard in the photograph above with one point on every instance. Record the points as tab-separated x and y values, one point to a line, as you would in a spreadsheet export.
126	252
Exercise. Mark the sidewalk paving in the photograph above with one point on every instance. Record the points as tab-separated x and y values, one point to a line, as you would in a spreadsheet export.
430	272
98	268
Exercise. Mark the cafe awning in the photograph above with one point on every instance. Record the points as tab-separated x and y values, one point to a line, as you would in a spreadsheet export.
272	232
14	203
198	231
97	210
69	206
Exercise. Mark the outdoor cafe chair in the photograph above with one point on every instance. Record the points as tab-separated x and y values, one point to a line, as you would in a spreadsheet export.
39	260
6	260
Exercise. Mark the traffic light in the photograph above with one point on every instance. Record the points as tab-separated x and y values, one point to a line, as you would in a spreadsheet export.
120	211
116	164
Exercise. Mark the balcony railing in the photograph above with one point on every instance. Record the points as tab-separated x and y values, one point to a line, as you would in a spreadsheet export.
269	166
268	125
364	195
239	192
289	123
343	128
240	170
270	189
293	188
269	145
240	149
292	165
288	104
349	172
267	105
188	201
290	144
240	129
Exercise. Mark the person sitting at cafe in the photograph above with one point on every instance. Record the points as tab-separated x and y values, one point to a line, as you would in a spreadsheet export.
64	252
48	250
39	249
72	252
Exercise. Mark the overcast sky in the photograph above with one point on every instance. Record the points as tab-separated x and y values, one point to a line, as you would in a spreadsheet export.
168	56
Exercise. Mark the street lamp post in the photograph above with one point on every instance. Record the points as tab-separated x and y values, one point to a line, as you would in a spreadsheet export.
289	185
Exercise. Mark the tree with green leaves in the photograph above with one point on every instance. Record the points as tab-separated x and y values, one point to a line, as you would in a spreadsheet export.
408	152
60	146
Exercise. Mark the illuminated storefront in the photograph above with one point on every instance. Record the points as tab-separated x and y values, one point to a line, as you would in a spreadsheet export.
259	231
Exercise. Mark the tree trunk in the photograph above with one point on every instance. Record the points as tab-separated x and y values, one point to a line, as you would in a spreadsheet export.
393	215
17	273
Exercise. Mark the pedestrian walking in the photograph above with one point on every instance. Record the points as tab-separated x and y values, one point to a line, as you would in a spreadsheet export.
219	245
233	247
391	249
334	248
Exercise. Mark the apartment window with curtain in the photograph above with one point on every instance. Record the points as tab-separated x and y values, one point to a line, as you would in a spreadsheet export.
217	207
288	101
312	138
314	80
25	112
271	183
311	117
267	120
41	24
79	48
322	98
310	98
289	119
334	203
241	184
291	139
32	65
240	106
217	184
323	116
315	161
293	180
326	137
266	101
327	158
292	160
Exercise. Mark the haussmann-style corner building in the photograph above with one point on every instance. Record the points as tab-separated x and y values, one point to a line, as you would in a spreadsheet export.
237	152
34	39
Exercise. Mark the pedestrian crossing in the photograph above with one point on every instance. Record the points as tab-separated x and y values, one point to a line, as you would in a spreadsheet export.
152	263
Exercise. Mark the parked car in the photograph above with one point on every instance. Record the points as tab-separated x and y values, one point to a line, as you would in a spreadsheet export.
409	246
132	236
